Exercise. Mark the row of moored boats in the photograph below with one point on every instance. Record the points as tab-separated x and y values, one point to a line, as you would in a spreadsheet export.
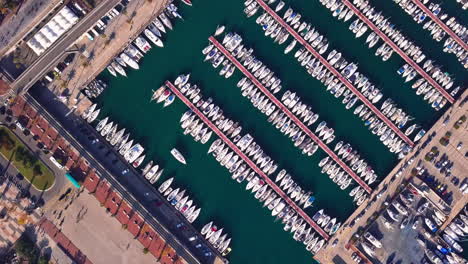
348	70
413	51
179	200
436	31
94	88
217	239
302	111
242	172
136	50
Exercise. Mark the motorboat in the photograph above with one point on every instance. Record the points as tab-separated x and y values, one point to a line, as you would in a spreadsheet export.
153	38
129	61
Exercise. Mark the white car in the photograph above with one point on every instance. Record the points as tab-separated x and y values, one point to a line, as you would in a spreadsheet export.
415	223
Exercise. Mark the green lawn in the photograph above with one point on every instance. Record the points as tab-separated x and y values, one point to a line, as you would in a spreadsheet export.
31	167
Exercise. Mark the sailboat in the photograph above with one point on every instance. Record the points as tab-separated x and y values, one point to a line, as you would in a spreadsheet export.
165	185
157	93
187	2
178	156
111	70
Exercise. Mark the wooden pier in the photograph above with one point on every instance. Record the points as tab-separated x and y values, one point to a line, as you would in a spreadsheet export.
337	74
283	108
397	49
247	160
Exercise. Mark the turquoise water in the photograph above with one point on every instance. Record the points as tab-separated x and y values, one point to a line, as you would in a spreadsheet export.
256	238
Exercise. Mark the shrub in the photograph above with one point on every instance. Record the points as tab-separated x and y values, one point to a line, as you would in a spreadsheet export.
145	251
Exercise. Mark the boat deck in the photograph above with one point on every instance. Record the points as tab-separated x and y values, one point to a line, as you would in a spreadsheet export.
298	122
397	49
247	160
441	24
337	74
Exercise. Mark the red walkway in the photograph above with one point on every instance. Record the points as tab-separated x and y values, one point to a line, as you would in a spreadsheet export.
441	24
403	55
248	161
336	73
298	122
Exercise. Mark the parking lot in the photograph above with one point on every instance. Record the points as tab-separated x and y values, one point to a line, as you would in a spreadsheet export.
405	229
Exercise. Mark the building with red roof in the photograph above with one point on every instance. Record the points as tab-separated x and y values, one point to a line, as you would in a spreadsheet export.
113	201
102	191
135	224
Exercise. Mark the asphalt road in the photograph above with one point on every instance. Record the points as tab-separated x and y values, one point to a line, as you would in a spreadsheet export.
135	194
10	170
52	56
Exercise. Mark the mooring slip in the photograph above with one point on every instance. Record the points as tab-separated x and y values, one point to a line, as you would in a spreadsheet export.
293	117
247	160
441	24
337	74
403	55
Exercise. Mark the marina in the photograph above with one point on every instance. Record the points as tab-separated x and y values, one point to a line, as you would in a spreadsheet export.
441	24
403	55
293	117
248	161
335	72
185	161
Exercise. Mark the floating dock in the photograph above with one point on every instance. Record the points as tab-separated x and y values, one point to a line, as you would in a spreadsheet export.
298	122
441	24
247	160
337	74
403	55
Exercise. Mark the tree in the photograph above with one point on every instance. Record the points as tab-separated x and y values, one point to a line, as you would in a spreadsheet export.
25	248
19	154
37	170
42	260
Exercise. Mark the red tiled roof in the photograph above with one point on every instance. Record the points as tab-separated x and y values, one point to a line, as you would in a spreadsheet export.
102	191
69	164
73	250
47	141
4	87
135	224
29	111
53	134
113	202
42	123
62	240
124	213
91	181
147	235
17	108
35	130
156	247
168	255
83	164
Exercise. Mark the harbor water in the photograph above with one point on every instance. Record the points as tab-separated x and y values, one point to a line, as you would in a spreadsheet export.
256	238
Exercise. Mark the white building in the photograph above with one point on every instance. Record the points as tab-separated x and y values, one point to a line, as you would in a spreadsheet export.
51	31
